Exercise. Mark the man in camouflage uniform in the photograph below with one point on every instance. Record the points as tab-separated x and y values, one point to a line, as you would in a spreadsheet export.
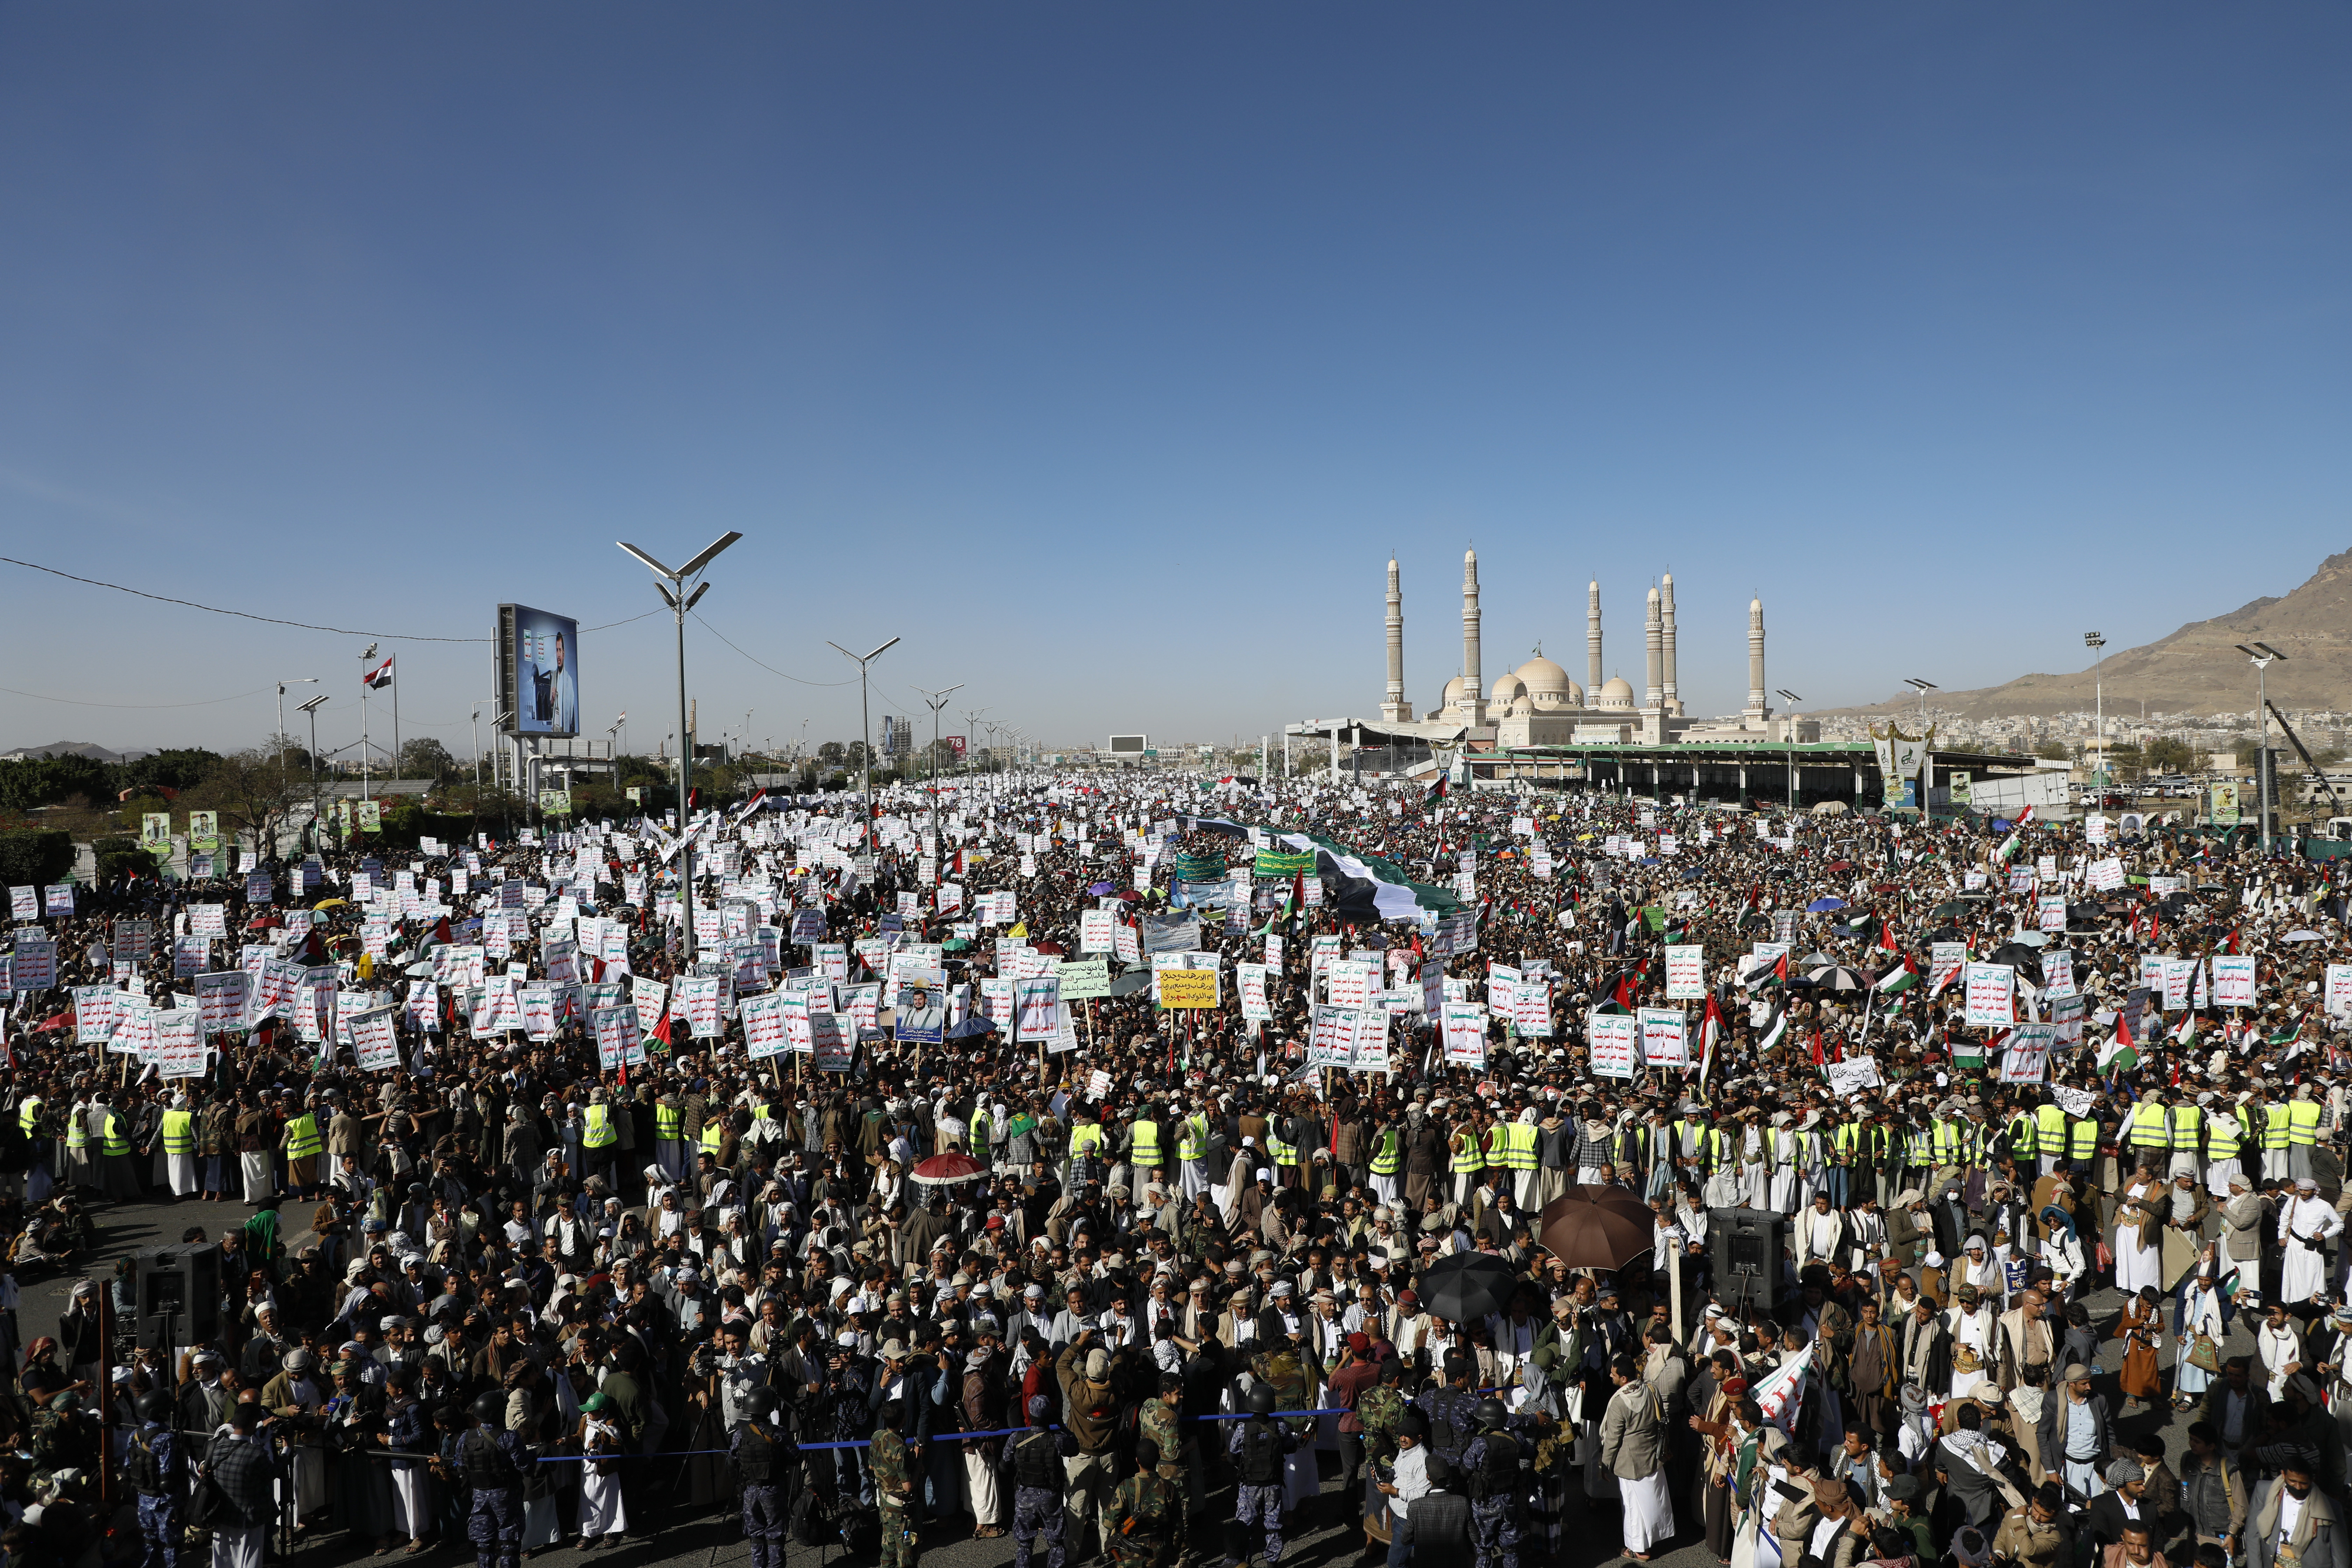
1146	1511
1158	1421
894	1489
57	1440
1377	1410
1259	1446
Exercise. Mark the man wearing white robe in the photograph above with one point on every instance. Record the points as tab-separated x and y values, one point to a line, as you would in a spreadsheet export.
2305	1226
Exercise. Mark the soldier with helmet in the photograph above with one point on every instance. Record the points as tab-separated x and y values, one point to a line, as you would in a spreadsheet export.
153	1465
1146	1511
491	1461
1259	1446
763	1456
1490	1467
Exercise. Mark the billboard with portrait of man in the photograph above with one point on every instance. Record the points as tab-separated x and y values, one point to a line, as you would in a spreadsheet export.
539	671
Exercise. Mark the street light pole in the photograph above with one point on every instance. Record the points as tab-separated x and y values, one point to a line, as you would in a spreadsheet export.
936	701
1792	699
671	585
280	738
865	731
312	708
2097	645
2262	654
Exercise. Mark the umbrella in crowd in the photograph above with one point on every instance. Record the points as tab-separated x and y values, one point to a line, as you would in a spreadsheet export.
947	1170
1466	1286
1596	1228
1822	905
1839	978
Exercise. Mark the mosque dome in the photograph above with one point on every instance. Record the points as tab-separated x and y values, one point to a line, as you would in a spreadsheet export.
1548	684
1453	693
1508	688
1523	706
1615	693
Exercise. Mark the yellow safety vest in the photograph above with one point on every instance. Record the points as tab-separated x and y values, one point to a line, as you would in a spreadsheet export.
117	1142
1846	1140
2151	1127
179	1133
28	1115
1192	1143
1469	1157
2188	1128
2082	1137
1498	1146
1085	1138
2303	1123
762	1113
2049	1122
2024	1137
1284	1154
1387	1157
78	1128
600	1127
714	1136
1948	1142
301	1136
668	1120
2274	1123
1143	1153
1519	1152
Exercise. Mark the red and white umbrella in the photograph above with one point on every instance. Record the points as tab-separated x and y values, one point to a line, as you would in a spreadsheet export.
946	1170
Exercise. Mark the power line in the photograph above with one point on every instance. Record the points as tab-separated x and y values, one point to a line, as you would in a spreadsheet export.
268	620
772	669
77	702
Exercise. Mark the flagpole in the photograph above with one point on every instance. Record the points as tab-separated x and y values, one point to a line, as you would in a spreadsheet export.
396	772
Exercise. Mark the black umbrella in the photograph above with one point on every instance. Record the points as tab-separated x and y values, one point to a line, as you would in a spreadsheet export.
1950	909
2016	953
1127	985
1466	1286
1943	933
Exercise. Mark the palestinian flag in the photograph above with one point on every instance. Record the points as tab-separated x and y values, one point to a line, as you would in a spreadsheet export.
1775	1028
2008	846
1435	792
1625	992
1901	977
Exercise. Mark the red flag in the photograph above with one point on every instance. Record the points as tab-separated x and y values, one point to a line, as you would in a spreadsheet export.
1886	936
1781	969
2232	943
1817	1047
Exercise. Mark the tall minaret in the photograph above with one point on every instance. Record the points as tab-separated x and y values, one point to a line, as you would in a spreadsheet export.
1592	647
1394	709
1654	691
1474	692
1756	707
1674	702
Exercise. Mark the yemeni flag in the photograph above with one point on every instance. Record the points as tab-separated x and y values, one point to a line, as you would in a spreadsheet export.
376	680
1900	979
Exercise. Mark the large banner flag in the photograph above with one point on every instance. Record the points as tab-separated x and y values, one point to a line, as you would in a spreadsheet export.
1781	1397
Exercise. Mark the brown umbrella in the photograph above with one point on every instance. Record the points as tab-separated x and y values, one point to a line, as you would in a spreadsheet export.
1596	1228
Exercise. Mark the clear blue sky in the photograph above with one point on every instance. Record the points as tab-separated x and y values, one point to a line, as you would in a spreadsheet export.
1106	352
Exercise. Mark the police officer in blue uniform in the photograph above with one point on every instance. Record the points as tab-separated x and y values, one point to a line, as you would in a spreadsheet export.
763	1457
1040	1478
491	1461
1259	1446
153	1465
1498	1510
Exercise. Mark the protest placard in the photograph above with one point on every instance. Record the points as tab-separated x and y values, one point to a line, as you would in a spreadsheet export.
2233	979
1666	1037
2026	1059
1464	1033
1614	1042
1686	972
1991	993
1853	1075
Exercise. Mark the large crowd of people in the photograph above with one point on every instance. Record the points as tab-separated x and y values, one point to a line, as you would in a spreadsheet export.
566	1208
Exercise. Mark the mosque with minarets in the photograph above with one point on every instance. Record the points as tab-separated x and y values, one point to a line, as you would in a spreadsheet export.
1538	704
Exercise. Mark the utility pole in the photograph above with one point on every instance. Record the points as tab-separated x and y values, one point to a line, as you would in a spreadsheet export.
2097	645
2262	654
671	584
312	708
865	732
936	701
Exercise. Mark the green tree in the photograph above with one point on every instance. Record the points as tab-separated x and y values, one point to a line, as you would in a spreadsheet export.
180	769
53	780
2052	750
426	757
2166	754
253	795
831	752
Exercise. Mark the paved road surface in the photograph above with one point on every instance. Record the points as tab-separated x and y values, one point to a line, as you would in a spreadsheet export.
700	1541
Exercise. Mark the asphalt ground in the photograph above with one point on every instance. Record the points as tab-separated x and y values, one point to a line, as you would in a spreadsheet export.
1591	1535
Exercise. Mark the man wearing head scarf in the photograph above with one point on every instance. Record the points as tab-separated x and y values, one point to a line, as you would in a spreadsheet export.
2305	1224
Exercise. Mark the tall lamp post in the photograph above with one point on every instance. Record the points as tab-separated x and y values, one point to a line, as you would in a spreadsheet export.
2262	653
312	708
936	701
2097	645
288	681
1792	699
866	732
671	585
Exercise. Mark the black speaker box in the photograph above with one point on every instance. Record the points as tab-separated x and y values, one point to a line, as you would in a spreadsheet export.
179	1295
1747	1244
